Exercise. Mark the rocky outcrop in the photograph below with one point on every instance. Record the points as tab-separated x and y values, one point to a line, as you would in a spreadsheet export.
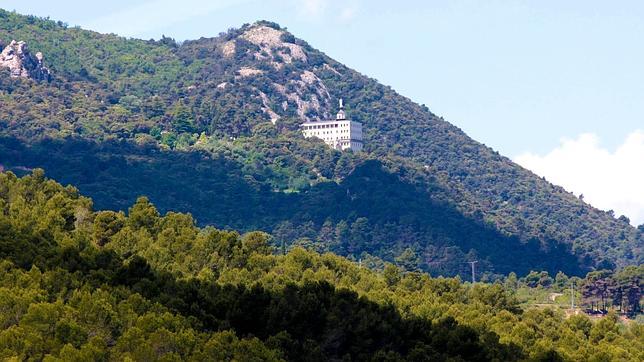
23	64
228	48
308	94
266	108
296	92
249	72
272	47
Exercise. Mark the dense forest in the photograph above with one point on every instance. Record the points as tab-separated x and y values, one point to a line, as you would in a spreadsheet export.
189	125
79	284
368	205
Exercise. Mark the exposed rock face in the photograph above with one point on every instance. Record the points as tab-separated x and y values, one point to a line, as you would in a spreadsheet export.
271	44
309	94
266	108
249	72
302	92
228	49
22	63
306	94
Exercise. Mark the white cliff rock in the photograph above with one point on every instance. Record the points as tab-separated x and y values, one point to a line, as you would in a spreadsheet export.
22	64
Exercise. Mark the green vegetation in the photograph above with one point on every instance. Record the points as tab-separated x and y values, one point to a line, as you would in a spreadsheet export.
369	213
603	289
598	293
83	285
125	117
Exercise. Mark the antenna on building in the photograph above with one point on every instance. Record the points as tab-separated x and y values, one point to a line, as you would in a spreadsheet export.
341	115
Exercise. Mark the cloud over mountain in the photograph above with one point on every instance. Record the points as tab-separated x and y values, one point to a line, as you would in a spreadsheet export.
608	180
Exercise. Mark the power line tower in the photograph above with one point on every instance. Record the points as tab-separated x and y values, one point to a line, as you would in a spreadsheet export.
472	263
572	295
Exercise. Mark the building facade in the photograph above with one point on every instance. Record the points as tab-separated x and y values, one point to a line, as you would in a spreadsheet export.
339	133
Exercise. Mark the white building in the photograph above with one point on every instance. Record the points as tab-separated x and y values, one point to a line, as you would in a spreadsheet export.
339	133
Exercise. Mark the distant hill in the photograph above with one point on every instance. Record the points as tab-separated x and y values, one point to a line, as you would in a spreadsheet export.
191	126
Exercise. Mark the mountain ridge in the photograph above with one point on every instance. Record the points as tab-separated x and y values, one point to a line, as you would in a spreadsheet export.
214	90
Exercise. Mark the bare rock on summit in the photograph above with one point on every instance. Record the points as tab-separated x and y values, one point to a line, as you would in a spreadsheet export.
23	64
271	43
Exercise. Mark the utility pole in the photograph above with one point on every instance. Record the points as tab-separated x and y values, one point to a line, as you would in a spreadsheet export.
473	273
572	295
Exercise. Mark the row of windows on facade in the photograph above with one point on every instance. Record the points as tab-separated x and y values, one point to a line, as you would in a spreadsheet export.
330	132
326	126
335	138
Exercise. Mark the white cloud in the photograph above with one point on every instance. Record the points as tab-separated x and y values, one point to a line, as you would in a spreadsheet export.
149	18
316	10
608	180
313	8
347	13
142	19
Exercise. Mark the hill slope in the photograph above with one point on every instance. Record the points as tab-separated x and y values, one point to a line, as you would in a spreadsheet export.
190	125
81	285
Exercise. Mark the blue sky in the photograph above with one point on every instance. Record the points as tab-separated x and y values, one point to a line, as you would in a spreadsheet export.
524	77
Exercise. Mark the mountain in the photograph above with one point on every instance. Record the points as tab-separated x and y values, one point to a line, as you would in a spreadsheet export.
210	127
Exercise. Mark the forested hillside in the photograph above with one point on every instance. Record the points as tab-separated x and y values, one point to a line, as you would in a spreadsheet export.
210	127
76	284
